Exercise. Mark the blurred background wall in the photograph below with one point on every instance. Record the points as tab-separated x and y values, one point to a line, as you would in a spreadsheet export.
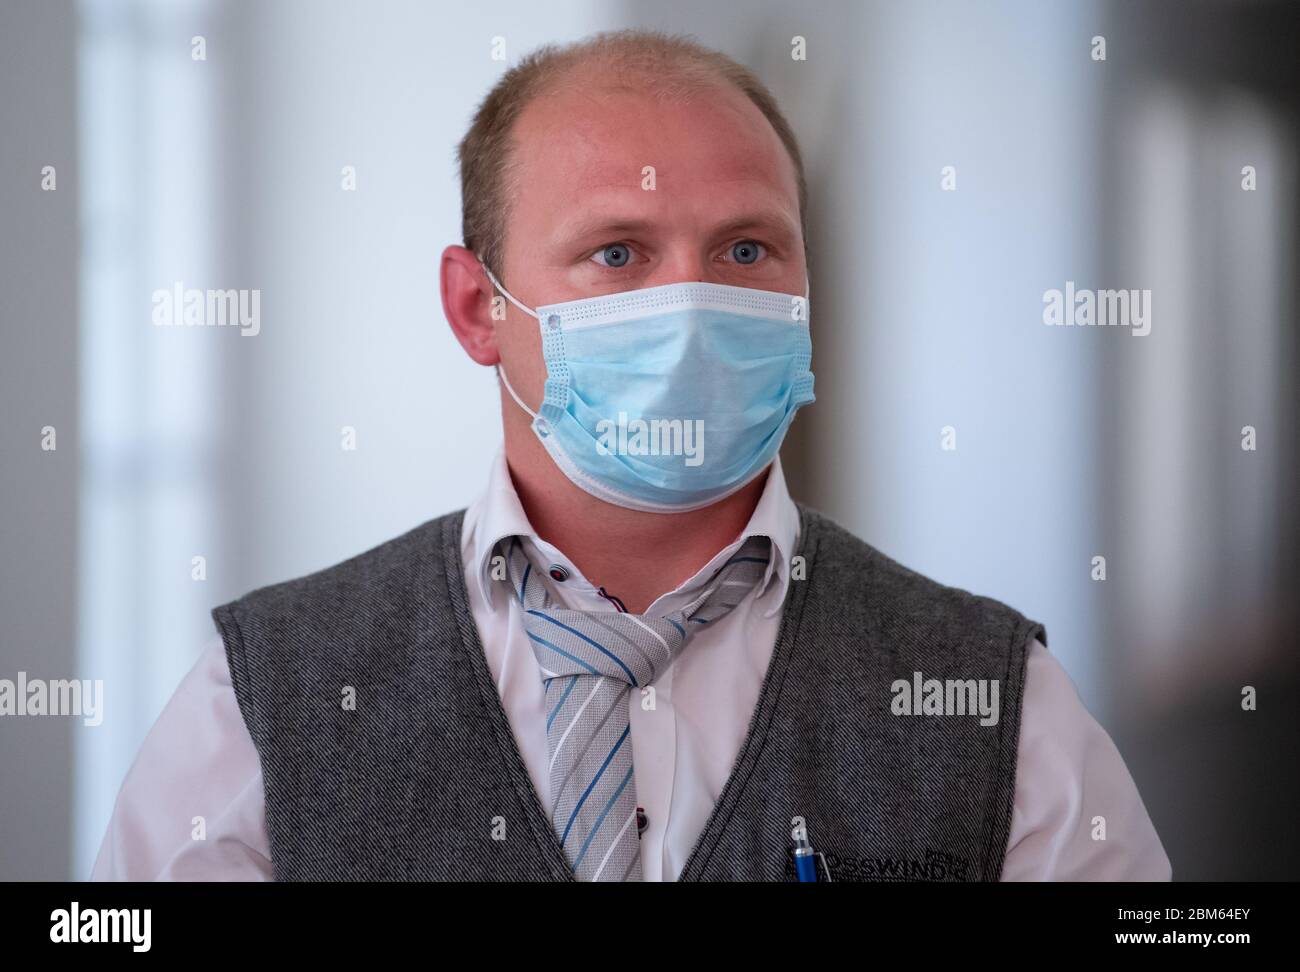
1072	443
38	389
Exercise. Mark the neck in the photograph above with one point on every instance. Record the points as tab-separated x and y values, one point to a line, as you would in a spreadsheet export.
634	556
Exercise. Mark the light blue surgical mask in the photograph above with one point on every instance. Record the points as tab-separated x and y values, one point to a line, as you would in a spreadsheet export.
669	398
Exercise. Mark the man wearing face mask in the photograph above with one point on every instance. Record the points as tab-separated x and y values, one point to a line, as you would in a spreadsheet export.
634	657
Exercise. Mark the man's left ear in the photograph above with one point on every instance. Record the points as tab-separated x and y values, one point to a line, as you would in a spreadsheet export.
467	301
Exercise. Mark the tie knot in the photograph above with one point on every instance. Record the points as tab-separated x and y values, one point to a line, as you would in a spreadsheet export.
632	648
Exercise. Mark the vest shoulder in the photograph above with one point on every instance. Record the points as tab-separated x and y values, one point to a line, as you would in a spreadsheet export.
862	579
397	566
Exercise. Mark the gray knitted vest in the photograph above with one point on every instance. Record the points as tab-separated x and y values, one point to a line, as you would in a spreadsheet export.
421	778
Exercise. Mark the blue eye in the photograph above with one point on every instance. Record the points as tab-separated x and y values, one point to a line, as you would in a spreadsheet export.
615	255
746	251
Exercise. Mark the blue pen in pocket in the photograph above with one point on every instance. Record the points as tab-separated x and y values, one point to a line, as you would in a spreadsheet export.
805	860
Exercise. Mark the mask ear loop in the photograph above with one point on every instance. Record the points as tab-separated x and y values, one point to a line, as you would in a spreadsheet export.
501	372
508	296
506	381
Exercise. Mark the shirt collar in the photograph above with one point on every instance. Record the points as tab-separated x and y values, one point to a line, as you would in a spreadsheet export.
498	514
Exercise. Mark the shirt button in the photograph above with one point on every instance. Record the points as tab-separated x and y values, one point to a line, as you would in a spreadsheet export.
558	573
642	821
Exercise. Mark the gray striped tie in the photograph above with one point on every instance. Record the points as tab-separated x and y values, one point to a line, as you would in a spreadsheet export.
590	662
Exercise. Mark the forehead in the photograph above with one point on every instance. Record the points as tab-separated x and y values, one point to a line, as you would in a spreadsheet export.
711	148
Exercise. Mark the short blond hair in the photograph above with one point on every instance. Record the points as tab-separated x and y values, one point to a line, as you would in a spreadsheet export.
666	65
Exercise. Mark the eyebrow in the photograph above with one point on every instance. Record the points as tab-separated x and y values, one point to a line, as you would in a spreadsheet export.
771	219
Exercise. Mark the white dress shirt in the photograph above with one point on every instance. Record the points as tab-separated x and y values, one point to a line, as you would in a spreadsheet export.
199	760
